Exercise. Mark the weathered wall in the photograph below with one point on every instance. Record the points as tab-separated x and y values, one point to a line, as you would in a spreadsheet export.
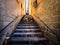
10	10
23	4
49	12
29	7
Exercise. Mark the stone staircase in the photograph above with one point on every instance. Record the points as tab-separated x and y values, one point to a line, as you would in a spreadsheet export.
27	32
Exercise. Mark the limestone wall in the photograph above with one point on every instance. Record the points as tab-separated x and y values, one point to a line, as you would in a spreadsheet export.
10	11
49	12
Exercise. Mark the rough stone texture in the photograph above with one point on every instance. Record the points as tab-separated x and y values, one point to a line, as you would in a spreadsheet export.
29	7
49	12
9	10
23	9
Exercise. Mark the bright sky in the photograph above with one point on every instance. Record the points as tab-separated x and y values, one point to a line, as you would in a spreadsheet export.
26	5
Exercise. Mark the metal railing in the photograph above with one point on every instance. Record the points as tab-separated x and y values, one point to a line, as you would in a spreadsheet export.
7	25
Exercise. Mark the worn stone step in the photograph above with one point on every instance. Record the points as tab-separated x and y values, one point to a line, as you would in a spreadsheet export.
27	24
31	33
21	44
28	35
30	42
28	39
27	29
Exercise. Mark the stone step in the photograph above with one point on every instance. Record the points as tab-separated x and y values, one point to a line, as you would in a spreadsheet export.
27	24
21	44
30	42
27	27
28	33
28	39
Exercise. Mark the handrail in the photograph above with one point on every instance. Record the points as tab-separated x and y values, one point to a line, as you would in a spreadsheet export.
8	25
46	25
9	16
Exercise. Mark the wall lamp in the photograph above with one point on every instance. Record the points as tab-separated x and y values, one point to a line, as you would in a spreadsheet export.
21	5
17	1
35	4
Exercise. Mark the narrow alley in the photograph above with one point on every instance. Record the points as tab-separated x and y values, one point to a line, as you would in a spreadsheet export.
29	22
27	33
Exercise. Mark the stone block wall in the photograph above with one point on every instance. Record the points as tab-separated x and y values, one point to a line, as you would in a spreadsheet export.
10	11
49	12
